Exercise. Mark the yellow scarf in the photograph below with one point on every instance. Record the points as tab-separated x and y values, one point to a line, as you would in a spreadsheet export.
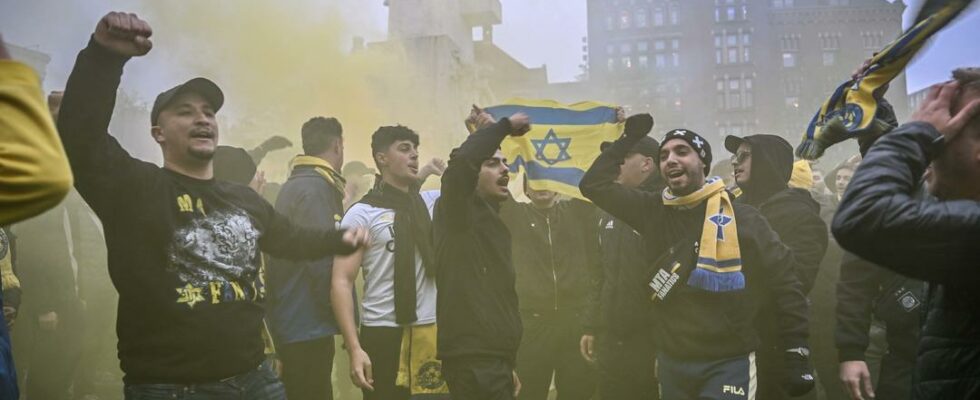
719	265
322	167
418	368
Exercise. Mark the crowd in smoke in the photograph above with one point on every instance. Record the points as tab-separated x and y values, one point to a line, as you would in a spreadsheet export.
689	269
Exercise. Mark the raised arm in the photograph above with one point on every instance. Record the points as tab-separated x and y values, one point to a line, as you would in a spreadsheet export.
632	206
100	164
882	220
460	178
34	173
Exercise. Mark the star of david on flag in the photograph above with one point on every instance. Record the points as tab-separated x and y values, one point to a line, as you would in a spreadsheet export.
563	142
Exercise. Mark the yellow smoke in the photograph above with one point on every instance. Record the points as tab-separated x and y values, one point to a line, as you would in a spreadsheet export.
281	63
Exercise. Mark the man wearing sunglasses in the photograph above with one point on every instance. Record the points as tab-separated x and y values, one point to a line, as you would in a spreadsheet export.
763	165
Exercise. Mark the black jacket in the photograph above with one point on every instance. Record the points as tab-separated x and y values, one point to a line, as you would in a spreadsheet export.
866	289
555	254
618	300
795	216
792	213
695	324
477	304
881	220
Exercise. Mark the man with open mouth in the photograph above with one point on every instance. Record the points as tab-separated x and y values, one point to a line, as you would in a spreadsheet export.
720	262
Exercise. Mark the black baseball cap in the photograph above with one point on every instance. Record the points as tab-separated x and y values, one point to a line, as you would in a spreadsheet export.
202	86
647	146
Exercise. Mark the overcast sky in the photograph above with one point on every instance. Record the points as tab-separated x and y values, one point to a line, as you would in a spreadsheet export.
536	32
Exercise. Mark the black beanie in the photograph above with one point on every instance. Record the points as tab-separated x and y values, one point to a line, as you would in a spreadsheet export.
697	142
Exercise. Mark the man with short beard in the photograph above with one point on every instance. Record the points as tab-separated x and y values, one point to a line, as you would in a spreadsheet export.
721	261
184	249
479	323
883	220
399	275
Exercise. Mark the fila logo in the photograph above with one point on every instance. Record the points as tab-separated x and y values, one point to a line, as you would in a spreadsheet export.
736	390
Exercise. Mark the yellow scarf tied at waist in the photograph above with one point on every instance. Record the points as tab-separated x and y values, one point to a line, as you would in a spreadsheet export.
418	368
719	264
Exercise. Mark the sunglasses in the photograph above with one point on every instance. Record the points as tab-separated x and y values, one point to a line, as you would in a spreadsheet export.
741	156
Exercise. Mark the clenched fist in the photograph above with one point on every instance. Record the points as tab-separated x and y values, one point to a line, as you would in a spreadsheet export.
124	34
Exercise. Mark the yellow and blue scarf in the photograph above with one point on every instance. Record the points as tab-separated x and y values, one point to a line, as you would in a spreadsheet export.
719	265
850	111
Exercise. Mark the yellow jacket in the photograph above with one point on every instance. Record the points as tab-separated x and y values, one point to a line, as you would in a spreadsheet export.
34	171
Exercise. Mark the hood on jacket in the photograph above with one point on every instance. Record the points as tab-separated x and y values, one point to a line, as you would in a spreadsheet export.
772	166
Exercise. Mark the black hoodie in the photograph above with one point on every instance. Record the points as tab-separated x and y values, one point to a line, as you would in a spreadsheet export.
791	212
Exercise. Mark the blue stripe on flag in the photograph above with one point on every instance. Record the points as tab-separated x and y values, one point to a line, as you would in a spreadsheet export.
557	116
536	172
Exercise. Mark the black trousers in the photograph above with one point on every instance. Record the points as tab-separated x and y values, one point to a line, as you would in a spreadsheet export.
627	368
895	378
479	378
550	347
383	345
54	357
307	368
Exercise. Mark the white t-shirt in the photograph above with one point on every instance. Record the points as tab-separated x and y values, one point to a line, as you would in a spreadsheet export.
378	267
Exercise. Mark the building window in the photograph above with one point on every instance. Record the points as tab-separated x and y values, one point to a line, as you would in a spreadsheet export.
829	58
746	55
641	18
626	62
674	15
658	16
659	45
624	20
730	13
733	55
643	61
610	49
732	40
718	57
625	48
610	23
660	61
642	46
675	59
789	60
746	39
611	64
675	44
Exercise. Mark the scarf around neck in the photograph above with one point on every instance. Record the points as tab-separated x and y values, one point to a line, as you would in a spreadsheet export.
321	167
412	232
719	264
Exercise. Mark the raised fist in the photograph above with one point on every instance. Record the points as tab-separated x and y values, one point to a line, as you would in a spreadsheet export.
638	125
124	34
520	124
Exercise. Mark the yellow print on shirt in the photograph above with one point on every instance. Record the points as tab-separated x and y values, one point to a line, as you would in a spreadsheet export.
186	204
217	292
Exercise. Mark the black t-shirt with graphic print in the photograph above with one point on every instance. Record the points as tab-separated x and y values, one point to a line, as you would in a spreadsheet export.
184	253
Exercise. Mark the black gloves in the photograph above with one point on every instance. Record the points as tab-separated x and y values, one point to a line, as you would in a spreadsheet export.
797	372
638	125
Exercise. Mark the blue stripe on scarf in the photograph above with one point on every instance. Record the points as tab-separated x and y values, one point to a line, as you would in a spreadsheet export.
716	281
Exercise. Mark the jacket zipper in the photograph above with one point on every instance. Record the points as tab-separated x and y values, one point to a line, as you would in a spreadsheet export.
554	269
